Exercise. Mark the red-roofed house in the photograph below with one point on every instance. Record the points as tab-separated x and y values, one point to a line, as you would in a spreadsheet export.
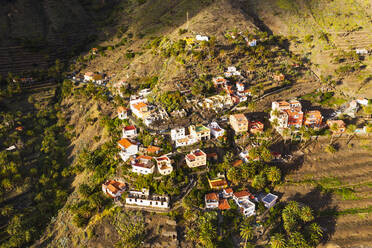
143	165
196	158
164	165
129	132
313	118
256	127
128	148
217	183
113	188
211	200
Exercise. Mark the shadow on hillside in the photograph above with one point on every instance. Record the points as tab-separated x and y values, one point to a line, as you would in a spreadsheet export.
324	212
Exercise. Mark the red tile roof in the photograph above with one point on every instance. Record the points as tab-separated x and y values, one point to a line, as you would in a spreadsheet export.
223	204
125	143
129	128
211	196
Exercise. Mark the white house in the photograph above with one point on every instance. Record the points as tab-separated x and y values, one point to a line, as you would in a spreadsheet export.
231	71
227	193
139	108
178	133
242	200
143	165
144	92
122	113
129	132
216	130
164	165
144	199
362	101
269	200
128	148
361	51
251	43
186	141
199	37
211	200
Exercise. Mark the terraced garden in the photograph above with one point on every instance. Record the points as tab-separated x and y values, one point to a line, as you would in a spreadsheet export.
339	186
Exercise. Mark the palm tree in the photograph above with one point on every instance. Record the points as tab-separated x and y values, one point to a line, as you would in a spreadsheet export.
286	133
351	131
278	241
246	231
306	214
315	232
274	175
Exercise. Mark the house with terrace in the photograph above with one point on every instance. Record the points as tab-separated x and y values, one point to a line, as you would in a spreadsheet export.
242	199
336	126
286	114
113	188
239	123
143	165
215	130
313	118
196	158
143	198
164	165
256	127
200	132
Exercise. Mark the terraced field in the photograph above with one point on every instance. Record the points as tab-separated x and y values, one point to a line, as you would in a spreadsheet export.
339	186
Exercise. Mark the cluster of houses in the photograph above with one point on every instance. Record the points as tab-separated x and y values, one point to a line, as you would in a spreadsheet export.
195	134
143	198
288	114
234	84
243	199
240	124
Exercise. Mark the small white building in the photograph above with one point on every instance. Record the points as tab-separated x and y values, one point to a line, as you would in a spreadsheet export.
122	113
216	130
269	200
361	51
144	92
144	199
231	71
196	158
143	165
139	108
227	193
186	141
129	132
199	37
362	101
164	165
211	200
178	133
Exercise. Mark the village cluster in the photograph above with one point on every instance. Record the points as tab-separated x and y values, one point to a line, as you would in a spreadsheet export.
284	115
233	88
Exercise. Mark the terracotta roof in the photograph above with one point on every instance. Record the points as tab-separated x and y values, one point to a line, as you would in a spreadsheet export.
164	158
121	109
143	165
190	157
240	118
237	163
211	196
229	191
128	128
198	153
243	193
212	155
218	183
144	157
152	149
139	105
125	143
114	186
223	204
